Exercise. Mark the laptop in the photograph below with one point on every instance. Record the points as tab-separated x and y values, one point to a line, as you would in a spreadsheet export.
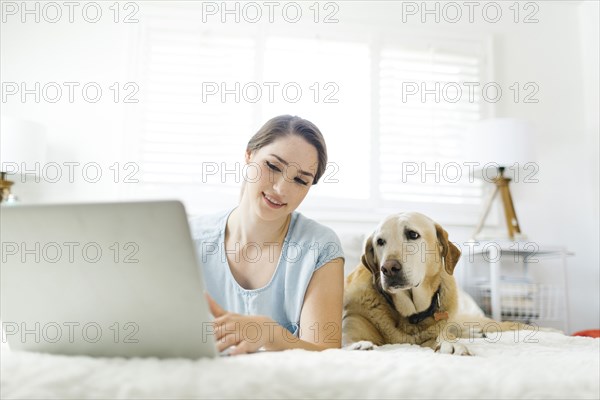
103	279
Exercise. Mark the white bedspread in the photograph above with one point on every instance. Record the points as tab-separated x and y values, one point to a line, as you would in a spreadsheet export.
556	366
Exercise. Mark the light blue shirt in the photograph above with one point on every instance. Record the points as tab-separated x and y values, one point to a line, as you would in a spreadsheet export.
307	246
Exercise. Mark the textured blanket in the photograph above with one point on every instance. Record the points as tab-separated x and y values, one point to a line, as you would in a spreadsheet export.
547	365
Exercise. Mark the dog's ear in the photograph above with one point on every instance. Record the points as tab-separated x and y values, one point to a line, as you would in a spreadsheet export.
368	257
450	253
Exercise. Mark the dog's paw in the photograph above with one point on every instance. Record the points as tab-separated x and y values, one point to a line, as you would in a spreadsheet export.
476	333
452	348
362	345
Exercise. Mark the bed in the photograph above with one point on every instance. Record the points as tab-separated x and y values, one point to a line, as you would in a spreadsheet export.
547	365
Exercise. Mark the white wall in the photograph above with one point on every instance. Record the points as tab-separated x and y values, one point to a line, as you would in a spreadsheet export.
559	53
562	208
80	131
590	36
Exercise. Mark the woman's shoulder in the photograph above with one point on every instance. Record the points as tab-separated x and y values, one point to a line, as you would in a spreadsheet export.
316	236
309	229
205	226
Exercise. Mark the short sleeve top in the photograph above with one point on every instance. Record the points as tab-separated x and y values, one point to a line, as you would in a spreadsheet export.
308	246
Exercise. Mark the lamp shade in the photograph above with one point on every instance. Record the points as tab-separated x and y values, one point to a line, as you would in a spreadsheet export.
22	145
500	142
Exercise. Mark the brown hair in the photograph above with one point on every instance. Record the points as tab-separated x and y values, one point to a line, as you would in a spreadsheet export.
285	125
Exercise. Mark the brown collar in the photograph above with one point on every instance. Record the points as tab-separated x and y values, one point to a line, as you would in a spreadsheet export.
433	310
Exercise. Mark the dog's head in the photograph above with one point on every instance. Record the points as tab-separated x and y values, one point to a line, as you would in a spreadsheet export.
405	249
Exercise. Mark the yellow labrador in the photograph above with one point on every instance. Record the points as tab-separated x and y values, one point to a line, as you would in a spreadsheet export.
404	291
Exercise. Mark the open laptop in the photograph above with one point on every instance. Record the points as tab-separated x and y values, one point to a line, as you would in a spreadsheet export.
106	279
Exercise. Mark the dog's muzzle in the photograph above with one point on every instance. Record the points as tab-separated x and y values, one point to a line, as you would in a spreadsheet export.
393	276
391	268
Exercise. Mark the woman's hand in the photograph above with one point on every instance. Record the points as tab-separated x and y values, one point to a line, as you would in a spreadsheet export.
246	333
320	327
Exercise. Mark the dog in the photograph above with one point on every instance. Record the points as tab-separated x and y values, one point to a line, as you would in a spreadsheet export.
404	290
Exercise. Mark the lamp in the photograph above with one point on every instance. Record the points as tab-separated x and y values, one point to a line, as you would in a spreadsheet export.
500	146
22	145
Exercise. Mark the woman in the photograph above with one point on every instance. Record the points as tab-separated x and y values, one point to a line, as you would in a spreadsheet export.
274	277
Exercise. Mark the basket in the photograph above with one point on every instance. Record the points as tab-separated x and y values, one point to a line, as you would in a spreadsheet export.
525	302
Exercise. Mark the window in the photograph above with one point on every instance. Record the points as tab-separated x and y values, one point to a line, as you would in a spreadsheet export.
422	113
206	91
337	101
185	139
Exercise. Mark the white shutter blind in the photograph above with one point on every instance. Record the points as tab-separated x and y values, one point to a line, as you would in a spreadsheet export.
336	98
419	134
371	140
186	137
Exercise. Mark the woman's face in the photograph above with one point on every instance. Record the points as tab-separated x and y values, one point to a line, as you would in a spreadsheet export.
280	176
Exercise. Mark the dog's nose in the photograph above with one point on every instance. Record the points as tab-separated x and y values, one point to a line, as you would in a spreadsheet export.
391	268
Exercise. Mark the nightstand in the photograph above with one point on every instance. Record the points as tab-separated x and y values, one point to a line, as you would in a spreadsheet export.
518	281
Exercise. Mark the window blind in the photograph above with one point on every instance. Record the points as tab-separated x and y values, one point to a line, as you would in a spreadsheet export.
424	109
376	138
188	139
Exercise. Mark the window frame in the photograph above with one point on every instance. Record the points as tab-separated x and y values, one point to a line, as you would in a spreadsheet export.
327	208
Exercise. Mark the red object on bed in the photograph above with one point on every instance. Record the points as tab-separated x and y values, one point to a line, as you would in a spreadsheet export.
595	333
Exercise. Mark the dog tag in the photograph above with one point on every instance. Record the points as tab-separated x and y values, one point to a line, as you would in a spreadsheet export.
440	315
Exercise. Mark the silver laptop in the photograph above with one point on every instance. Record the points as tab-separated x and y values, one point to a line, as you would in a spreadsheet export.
109	279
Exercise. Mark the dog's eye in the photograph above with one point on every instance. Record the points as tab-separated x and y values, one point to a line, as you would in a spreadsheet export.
412	235
380	242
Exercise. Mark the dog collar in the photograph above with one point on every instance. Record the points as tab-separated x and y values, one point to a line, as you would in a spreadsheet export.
431	311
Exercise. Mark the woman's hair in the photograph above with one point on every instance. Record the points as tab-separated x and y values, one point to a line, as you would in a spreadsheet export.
286	125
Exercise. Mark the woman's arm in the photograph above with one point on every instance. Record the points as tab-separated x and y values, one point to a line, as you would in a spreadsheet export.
321	316
320	319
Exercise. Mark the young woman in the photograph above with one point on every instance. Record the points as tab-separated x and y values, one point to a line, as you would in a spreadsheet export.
274	277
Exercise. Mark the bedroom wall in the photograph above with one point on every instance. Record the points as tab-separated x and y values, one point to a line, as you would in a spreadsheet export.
589	167
78	131
559	53
567	155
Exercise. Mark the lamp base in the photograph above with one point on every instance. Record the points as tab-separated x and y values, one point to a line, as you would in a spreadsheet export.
510	215
5	186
